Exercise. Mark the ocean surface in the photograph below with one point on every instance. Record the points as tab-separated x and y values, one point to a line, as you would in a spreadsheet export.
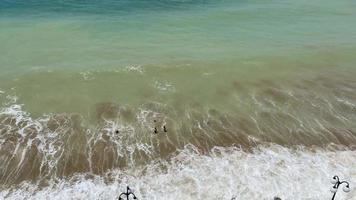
178	99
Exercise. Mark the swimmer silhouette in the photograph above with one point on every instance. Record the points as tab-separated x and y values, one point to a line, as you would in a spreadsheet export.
164	129
156	130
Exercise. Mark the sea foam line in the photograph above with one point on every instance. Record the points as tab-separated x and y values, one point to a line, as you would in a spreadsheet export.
225	173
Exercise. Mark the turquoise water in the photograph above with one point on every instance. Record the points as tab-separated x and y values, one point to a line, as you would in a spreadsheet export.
217	73
234	39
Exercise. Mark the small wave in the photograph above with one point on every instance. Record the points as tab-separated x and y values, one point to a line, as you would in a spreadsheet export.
164	86
134	68
61	145
266	172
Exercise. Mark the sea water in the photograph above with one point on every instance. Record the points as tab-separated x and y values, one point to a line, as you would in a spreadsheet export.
250	99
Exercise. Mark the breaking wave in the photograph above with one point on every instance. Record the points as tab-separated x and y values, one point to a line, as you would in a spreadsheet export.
265	172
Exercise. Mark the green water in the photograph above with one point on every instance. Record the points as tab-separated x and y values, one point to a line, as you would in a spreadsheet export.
67	56
43	54
91	87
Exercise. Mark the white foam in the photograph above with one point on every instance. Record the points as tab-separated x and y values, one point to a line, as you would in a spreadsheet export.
164	86
134	68
87	75
226	173
15	110
125	141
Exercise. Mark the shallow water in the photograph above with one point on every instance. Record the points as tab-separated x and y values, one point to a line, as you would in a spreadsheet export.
226	173
257	98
